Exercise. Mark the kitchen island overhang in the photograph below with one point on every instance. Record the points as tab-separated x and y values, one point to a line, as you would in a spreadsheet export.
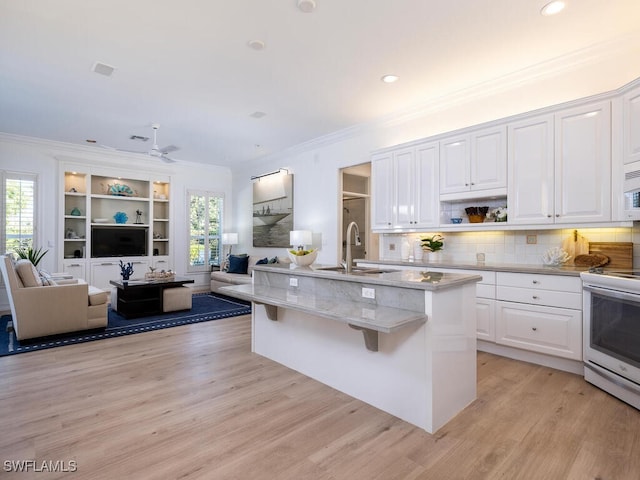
418	357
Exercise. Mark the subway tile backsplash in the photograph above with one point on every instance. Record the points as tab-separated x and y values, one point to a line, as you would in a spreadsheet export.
508	246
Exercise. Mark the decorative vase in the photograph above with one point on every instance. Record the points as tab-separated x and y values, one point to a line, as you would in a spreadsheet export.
418	254
434	257
405	249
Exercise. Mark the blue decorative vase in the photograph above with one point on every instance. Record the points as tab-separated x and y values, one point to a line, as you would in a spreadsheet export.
121	217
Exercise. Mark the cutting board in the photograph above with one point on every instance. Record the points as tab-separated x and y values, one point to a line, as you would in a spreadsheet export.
620	253
575	244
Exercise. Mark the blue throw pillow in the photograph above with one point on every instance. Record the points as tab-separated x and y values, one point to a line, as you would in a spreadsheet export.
262	261
238	264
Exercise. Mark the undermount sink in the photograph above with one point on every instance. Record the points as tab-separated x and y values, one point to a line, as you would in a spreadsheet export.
355	270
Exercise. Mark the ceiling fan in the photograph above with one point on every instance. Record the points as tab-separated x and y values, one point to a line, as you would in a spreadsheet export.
155	151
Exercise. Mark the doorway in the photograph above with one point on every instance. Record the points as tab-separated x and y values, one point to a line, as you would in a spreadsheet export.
355	207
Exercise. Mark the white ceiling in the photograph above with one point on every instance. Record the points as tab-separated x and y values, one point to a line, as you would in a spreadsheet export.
187	66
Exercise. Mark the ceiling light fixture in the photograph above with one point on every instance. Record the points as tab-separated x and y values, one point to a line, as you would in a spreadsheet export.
257	114
256	44
552	8
390	78
306	6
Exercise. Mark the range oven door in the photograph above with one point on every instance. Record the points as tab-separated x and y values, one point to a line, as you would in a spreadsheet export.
612	332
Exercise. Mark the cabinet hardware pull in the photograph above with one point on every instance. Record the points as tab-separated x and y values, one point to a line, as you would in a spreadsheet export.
548	216
466	184
534	328
535	282
472	183
557	214
107	264
535	297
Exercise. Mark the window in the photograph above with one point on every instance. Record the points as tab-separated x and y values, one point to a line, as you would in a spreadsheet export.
205	230
18	210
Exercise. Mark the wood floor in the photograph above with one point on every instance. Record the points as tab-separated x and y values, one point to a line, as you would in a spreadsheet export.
193	402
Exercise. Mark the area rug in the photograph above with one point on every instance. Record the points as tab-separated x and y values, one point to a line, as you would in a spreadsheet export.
206	307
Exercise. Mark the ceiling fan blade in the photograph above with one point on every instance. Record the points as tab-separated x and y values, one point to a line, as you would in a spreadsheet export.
169	149
166	159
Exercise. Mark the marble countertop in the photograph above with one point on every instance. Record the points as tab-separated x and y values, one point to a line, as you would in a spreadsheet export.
375	317
420	280
485	266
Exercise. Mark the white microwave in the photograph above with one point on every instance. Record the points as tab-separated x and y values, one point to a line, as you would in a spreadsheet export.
632	191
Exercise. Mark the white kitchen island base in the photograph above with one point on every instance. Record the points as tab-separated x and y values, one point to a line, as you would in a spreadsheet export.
422	372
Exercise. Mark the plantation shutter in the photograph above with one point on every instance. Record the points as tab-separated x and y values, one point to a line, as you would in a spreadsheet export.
19	209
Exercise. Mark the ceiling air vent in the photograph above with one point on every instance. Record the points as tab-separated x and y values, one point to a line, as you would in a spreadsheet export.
139	138
103	69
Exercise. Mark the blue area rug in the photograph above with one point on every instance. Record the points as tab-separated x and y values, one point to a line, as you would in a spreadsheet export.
205	307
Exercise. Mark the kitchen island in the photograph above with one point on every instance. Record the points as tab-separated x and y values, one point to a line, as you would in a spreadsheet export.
402	341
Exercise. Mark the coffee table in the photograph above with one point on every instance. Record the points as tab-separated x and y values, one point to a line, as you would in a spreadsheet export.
140	298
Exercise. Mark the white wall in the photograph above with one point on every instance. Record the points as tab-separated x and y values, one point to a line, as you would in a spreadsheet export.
316	165
22	154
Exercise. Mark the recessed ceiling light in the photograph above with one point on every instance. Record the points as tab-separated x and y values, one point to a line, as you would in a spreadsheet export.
306	6
256	44
390	78
257	114
552	8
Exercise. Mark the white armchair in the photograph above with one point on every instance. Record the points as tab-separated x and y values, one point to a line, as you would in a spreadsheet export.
38	311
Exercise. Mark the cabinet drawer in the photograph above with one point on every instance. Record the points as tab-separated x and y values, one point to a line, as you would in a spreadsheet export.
540	281
534	296
554	331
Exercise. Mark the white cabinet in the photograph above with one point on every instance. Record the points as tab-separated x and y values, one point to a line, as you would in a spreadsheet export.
540	313
75	267
105	270
631	126
560	167
583	164
404	188
382	191
530	165
474	163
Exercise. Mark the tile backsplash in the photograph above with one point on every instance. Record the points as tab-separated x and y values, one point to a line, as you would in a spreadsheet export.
508	246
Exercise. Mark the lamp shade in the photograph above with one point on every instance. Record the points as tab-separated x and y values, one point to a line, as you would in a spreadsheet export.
230	238
300	237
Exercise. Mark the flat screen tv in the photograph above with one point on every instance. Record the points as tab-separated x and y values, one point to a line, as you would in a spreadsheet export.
118	241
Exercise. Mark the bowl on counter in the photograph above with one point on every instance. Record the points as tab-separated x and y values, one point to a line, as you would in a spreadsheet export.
303	260
456	220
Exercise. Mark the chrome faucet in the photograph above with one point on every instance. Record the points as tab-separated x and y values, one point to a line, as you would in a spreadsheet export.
349	261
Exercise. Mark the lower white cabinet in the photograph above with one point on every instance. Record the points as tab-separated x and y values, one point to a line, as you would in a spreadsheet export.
102	271
551	330
75	267
161	263
541	313
485	315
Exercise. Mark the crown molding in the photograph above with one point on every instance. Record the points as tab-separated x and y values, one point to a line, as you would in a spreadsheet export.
563	64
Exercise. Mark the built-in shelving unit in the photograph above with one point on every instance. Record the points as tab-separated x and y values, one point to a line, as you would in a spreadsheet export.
95	202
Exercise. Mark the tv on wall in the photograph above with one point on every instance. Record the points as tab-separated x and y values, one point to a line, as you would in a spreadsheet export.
118	241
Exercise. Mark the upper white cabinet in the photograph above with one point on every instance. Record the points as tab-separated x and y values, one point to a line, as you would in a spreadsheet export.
405	188
631	125
474	164
530	165
382	189
583	164
560	167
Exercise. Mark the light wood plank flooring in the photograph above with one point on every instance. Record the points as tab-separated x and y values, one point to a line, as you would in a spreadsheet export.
193	402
